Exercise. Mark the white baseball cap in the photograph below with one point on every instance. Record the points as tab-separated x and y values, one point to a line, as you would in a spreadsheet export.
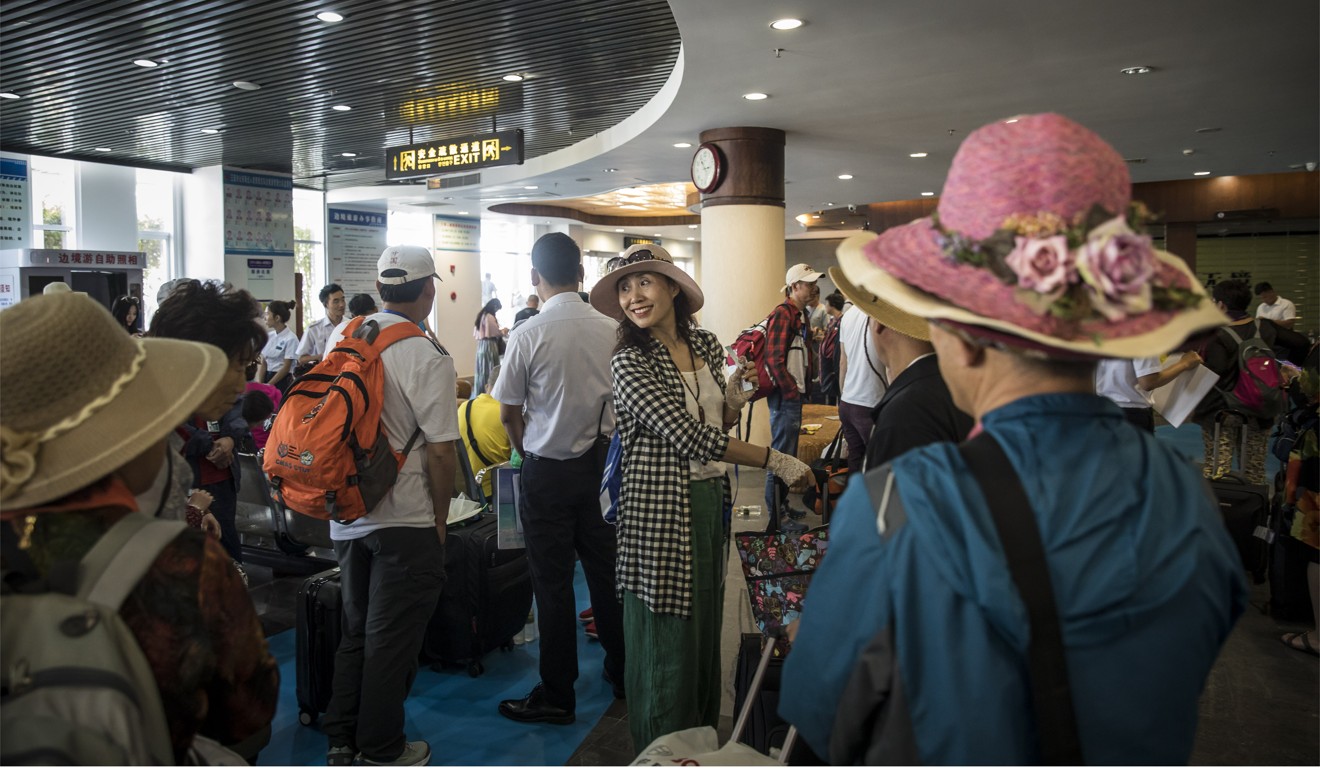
401	264
801	272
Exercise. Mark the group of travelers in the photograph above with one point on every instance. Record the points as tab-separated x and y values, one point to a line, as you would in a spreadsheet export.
1007	342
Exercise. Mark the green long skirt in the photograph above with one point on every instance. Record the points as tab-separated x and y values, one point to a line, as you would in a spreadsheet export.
672	673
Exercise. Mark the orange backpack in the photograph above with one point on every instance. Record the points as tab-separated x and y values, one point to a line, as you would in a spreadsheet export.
328	456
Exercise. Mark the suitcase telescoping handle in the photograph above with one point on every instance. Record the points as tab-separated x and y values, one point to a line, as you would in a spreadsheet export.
767	653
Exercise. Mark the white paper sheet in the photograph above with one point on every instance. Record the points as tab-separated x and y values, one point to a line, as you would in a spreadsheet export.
1176	400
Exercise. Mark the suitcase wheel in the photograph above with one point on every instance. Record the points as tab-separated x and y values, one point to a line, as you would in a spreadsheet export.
305	718
475	669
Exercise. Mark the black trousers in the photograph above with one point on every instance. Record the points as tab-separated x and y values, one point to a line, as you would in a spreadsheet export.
560	509
390	581
1142	417
224	507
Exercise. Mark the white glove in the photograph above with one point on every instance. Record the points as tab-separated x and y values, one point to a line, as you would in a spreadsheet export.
786	467
736	394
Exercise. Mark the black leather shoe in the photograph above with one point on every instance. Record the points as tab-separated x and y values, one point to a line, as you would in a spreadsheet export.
533	708
617	687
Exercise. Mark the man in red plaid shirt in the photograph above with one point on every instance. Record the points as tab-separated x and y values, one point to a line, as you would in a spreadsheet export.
787	363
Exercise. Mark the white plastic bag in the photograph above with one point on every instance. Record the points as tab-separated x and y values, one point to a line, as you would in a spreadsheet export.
698	746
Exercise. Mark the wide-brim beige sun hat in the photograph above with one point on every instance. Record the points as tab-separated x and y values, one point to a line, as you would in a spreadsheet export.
643	258
79	398
889	316
1037	240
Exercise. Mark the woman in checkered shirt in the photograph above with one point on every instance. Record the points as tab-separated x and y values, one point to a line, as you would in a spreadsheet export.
674	411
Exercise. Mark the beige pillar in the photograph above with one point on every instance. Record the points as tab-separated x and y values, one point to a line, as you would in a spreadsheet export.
742	238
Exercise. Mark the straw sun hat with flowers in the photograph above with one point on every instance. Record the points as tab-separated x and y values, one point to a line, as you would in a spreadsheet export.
79	398
1038	246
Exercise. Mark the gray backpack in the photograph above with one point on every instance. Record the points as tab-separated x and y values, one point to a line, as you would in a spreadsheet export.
77	689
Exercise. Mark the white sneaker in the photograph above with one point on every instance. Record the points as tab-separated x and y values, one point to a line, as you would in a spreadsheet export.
415	754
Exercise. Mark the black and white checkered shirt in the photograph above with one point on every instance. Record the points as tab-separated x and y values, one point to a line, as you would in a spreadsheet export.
659	437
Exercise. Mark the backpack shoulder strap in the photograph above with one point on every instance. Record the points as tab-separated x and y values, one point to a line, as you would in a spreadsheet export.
1047	664
396	332
472	437
108	573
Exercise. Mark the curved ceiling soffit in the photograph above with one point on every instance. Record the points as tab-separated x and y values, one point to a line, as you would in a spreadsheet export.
592	147
566	212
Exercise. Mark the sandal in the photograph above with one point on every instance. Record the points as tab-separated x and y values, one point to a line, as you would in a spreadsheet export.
1306	646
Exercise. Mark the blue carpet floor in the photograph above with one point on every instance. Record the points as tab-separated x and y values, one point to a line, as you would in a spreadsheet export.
457	714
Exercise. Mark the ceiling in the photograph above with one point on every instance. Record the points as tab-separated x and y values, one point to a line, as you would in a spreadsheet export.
609	90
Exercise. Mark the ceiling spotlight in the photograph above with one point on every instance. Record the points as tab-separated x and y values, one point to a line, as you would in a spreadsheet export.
1200	173
618	229
210	130
916	155
682	145
690	238
329	17
845	176
692	227
529	187
102	149
8	95
341	108
1138	70
145	63
462	213
928	195
609	170
828	203
786	24
513	78
348	154
755	96
246	85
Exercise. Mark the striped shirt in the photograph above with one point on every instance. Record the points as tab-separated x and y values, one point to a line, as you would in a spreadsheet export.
659	438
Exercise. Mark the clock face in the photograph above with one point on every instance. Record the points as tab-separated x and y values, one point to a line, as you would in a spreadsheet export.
706	168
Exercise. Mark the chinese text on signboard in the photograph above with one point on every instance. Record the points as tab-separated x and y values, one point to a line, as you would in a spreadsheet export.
495	148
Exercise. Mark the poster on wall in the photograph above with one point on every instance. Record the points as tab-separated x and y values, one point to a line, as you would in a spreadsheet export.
354	241
453	234
8	289
15	191
258	213
261	277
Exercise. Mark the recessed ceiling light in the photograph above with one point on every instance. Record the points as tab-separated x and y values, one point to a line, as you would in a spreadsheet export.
692	227
690	238
1141	69
815	216
829	203
657	235
341	108
330	17
786	24
755	96
928	195
1011	120
845	176
462	213
618	229
682	145
8	95
210	130
514	78
102	149
145	63
1200	173
246	85
609	170
529	187
916	155
349	154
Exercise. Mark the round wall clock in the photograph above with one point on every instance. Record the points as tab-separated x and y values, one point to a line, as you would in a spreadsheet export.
707	167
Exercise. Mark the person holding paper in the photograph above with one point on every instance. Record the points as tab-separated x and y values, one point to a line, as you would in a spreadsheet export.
1129	382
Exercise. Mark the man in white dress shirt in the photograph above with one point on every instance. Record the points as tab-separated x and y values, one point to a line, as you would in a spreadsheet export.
311	349
1279	310
555	401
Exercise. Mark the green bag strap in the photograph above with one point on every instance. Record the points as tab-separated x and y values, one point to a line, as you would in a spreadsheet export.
110	571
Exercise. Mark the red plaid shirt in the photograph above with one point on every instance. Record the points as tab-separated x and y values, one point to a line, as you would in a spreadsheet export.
781	325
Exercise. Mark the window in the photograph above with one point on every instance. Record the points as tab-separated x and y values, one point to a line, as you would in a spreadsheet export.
155	221
309	250
52	203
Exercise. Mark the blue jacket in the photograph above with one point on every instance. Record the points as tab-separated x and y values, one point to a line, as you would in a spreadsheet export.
912	646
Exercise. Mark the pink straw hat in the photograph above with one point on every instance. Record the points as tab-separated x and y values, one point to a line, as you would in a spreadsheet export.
1036	237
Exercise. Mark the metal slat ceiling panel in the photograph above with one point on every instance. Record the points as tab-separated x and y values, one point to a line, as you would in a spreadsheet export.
589	64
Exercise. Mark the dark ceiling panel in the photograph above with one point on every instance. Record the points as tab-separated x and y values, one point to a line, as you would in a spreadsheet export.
589	65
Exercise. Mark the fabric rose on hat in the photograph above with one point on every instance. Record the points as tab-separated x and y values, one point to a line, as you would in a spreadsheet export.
1117	265
1043	265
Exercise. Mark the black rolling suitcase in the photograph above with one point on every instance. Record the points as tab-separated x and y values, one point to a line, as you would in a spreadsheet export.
487	597
320	615
1246	511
